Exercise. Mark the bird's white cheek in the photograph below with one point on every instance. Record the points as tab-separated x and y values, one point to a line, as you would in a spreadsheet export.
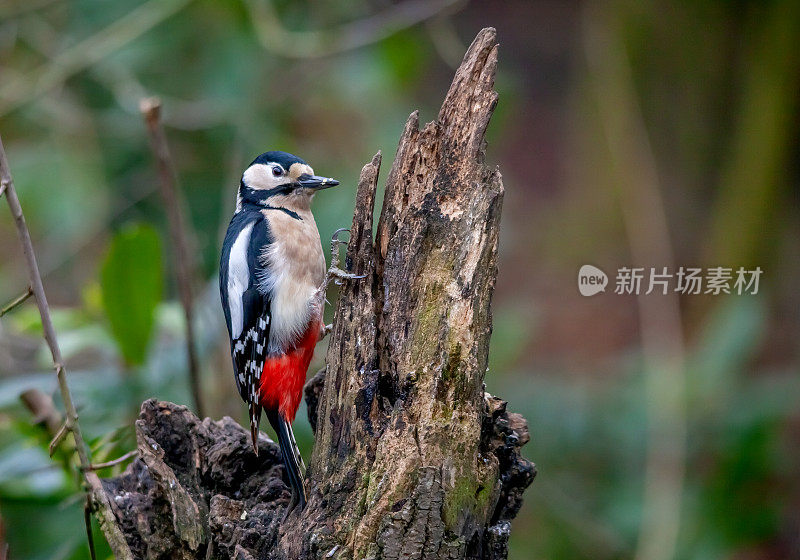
259	176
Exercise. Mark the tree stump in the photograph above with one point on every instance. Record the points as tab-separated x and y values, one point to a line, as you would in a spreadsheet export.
413	459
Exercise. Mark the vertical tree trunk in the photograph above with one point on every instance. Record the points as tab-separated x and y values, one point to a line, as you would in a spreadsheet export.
398	470
412	458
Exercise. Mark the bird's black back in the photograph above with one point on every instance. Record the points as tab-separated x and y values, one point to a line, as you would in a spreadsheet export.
255	305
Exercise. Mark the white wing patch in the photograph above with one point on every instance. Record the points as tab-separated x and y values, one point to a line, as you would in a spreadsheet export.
238	278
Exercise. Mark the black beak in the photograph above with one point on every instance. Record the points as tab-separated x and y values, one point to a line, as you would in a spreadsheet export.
316	182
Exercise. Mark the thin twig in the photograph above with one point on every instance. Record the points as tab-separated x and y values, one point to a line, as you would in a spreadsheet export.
30	85
57	438
17	301
99	498
113	462
151	110
41	302
128	92
348	36
43	410
87	521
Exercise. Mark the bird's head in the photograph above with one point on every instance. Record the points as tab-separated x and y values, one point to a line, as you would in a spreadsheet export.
281	179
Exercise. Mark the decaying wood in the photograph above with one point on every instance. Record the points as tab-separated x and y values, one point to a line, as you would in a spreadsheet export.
413	459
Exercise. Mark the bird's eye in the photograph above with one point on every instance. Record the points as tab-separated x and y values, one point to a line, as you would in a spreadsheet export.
277	171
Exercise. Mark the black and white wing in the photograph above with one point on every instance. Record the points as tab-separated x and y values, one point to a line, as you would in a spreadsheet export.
247	310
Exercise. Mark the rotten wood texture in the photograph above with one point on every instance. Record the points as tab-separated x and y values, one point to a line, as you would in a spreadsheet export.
413	459
197	490
398	468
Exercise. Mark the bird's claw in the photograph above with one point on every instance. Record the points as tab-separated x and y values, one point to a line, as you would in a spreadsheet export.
337	272
335	236
335	242
334	271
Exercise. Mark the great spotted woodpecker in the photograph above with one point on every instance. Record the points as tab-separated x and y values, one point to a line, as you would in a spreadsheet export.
272	283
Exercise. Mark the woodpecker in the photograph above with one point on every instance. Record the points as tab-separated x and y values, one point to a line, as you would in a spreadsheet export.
272	283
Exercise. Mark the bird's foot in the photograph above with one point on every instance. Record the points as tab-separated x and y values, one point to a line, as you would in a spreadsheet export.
339	274
334	272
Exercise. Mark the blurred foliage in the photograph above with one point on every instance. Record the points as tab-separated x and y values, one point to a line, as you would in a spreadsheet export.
585	503
716	86
131	284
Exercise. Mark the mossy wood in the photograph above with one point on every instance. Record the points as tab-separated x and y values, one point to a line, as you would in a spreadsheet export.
412	458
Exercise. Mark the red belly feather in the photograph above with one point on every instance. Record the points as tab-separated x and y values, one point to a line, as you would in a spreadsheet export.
283	376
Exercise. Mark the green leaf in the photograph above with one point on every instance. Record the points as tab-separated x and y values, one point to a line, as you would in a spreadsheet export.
131	281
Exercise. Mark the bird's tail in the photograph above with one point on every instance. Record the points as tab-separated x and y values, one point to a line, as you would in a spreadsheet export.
291	458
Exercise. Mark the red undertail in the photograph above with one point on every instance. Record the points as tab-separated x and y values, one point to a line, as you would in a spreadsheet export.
283	376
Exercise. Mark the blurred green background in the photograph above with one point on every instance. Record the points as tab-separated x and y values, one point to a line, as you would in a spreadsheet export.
628	134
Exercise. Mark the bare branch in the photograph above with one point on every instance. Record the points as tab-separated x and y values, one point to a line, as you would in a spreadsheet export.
17	301
87	522
43	410
151	110
99	498
117	461
41	301
31	85
57	438
348	36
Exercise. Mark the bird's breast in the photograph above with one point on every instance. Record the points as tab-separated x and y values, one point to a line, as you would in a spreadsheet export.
295	268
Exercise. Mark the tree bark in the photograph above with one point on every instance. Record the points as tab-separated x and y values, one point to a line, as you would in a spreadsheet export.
413	459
